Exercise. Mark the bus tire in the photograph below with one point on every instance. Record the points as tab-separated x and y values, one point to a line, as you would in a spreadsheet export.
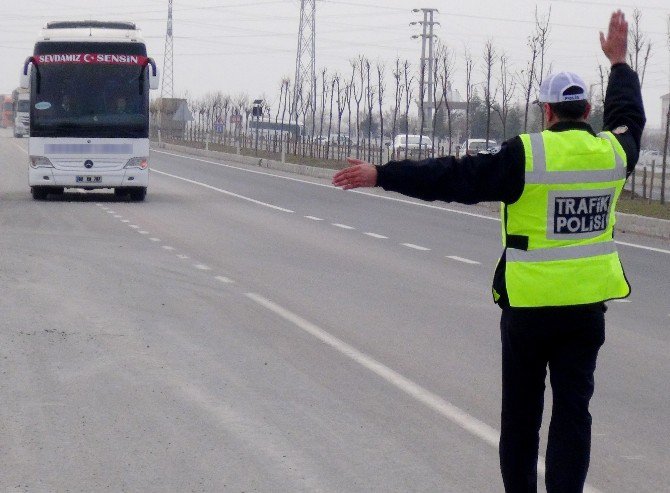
138	194
39	193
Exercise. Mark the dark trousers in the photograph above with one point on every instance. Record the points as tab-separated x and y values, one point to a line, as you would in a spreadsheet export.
567	341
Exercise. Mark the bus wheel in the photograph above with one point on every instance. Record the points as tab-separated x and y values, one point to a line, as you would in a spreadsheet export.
138	194
39	193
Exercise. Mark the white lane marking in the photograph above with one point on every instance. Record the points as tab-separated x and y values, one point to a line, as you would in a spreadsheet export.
312	218
420	204
183	257
633	457
464	260
643	247
416	247
125	220
343	226
379	237
143	232
109	211
134	226
224	280
443	407
155	239
118	217
226	192
621	301
168	248
201	267
368	194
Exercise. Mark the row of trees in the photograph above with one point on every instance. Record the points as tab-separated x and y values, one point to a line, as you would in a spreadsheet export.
373	103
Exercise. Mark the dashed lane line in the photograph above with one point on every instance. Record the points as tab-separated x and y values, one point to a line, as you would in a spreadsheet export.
313	218
381	197
463	260
378	236
343	226
168	248
202	267
416	247
224	280
183	257
156	240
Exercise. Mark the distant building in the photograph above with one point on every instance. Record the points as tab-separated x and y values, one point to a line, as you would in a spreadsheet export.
665	101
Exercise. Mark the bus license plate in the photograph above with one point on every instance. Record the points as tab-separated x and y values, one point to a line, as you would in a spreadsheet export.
89	179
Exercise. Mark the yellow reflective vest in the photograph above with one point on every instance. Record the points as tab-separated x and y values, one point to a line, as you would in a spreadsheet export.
558	236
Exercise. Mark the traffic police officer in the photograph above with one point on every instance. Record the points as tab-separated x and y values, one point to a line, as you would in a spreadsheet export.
558	190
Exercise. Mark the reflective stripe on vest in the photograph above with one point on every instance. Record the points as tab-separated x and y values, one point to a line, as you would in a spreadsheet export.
539	174
562	253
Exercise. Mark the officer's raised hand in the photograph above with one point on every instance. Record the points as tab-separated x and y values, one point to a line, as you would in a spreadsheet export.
615	45
359	174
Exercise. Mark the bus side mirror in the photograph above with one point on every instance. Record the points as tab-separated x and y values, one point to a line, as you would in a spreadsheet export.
24	78
154	79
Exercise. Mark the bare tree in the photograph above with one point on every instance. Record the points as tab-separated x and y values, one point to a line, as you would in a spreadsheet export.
397	77
409	94
489	93
639	43
381	89
469	90
528	76
446	63
542	30
330	113
604	74
358	97
324	96
370	100
351	96
507	88
342	96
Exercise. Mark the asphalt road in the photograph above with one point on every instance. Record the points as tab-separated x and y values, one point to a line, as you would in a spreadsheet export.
247	330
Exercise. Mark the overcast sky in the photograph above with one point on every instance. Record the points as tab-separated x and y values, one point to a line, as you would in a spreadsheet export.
249	45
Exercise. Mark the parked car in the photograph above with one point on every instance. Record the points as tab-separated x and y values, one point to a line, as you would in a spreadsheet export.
321	140
475	146
411	143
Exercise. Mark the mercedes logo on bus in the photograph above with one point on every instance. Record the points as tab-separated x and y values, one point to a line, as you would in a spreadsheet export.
88	164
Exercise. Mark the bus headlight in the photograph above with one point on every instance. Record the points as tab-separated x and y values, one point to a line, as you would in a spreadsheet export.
138	162
40	162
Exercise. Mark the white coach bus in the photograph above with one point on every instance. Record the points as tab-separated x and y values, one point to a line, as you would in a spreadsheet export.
89	87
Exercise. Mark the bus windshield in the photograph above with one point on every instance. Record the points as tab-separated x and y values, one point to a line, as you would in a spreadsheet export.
89	95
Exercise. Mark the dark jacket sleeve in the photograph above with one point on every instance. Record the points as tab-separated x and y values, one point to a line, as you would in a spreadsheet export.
483	177
624	108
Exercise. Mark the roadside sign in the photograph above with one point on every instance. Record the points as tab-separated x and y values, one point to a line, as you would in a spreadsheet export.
236	119
218	127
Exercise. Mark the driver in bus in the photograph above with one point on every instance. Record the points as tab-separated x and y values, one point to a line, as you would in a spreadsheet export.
121	106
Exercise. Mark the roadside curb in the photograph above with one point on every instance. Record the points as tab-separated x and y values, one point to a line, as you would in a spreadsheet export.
626	223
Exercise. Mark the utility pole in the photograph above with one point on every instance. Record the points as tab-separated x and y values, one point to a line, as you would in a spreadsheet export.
305	61
167	86
427	62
